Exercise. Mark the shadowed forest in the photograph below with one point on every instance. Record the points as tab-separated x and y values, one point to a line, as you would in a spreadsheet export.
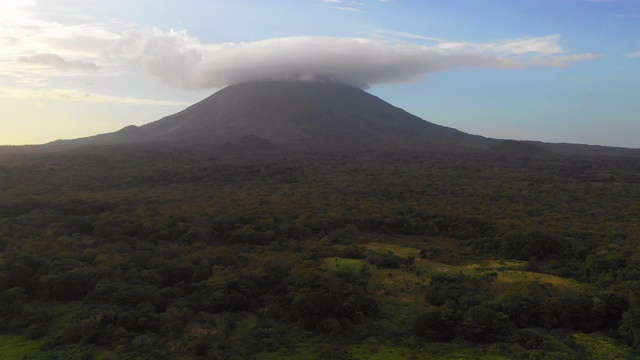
136	252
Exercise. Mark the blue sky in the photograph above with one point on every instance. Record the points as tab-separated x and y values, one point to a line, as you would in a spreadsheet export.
549	70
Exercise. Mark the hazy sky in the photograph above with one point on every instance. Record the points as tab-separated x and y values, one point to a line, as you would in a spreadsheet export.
550	70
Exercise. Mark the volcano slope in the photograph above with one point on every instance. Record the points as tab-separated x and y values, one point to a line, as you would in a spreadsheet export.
295	114
306	116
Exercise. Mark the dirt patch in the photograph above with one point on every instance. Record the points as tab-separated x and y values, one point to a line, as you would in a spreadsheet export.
442	269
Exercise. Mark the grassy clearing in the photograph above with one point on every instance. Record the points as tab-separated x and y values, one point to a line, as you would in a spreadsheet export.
374	350
395	281
497	265
432	351
430	267
299	346
603	348
16	347
510	271
343	264
377	351
399	250
400	286
400	294
291	353
510	276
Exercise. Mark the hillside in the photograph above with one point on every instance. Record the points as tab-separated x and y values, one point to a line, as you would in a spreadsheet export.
298	114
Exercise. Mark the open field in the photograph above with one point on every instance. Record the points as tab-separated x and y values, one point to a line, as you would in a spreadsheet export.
17	347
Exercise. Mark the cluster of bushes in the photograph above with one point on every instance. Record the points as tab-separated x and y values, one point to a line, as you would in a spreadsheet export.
142	300
466	307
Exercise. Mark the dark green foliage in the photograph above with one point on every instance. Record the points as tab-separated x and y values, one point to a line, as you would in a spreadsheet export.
467	309
388	260
435	325
459	289
332	298
20	315
530	304
483	323
535	243
171	253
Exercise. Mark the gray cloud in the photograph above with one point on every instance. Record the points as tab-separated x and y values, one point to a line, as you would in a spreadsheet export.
183	61
171	56
57	62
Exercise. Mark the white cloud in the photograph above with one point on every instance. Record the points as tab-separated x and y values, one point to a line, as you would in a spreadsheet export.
38	46
183	61
38	42
343	8
79	96
344	5
401	36
633	55
170	56
561	60
56	61
548	45
15	10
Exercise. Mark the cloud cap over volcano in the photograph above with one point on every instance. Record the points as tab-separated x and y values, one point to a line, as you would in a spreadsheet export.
183	61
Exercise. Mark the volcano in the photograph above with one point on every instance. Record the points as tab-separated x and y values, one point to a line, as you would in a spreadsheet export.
301	114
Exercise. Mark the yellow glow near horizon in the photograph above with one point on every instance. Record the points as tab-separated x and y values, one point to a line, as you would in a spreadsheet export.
38	121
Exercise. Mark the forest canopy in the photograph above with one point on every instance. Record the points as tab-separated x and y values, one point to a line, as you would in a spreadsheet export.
140	252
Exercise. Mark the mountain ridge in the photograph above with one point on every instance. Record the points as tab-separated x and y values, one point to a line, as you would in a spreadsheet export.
289	113
298	114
